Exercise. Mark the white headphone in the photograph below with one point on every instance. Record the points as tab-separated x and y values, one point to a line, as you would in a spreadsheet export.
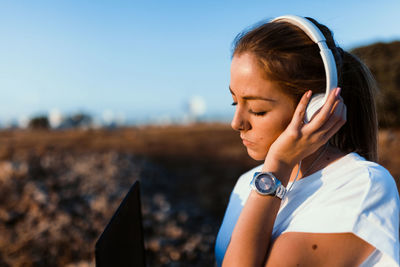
318	100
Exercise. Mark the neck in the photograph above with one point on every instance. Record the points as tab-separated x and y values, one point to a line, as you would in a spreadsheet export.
321	158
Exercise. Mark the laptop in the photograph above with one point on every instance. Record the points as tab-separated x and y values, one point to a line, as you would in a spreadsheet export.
122	242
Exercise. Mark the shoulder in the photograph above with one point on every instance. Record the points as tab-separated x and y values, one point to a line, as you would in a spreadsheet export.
360	176
380	179
380	183
350	191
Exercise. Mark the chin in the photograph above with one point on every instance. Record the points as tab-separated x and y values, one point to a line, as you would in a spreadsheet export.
256	155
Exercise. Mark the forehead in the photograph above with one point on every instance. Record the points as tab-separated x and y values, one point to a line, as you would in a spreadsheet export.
247	77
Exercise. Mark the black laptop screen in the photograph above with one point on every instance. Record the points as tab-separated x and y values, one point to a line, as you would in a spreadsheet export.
121	243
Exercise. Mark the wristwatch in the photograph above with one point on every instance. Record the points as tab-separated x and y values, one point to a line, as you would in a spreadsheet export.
266	184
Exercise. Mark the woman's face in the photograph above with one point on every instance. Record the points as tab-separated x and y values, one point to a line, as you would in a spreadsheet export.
263	110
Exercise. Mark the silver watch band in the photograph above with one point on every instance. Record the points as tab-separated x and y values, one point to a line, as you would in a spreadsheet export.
280	191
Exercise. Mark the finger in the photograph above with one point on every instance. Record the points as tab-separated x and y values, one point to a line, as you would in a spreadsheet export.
328	135
329	104
300	111
339	122
323	115
335	117
343	110
334	111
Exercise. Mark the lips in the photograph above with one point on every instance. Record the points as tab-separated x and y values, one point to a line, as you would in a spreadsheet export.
246	142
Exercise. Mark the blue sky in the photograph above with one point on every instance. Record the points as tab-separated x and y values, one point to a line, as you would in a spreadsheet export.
148	58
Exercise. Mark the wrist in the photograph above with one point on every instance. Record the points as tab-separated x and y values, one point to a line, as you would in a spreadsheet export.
280	169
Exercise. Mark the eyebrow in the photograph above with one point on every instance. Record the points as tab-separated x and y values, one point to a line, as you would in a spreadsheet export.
249	97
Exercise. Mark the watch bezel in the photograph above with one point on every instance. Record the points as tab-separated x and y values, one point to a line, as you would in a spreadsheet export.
257	180
277	189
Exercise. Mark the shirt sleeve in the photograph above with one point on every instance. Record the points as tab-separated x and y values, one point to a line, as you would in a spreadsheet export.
378	221
363	201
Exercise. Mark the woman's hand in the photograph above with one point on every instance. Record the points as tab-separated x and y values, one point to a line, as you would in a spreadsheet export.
300	139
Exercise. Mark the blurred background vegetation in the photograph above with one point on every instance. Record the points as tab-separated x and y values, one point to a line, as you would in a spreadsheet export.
383	59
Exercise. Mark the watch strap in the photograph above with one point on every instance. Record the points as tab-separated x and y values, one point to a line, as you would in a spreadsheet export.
280	191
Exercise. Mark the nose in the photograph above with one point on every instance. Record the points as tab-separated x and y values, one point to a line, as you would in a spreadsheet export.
239	122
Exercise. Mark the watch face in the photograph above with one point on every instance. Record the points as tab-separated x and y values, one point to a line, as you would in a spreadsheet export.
264	184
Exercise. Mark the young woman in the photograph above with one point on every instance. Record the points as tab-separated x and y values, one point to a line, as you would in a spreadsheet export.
340	207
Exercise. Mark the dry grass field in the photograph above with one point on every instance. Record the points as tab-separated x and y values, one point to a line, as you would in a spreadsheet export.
59	188
176	147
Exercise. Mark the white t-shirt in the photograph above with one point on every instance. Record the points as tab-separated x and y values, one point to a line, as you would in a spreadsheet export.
349	195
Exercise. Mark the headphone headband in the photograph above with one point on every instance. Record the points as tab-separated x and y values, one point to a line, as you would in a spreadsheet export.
306	25
317	37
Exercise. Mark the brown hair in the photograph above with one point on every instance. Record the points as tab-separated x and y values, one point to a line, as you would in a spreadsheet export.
292	60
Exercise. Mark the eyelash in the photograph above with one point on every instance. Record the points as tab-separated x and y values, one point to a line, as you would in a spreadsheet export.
252	112
258	113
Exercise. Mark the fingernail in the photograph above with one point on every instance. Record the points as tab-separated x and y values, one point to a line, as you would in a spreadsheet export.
309	93
337	91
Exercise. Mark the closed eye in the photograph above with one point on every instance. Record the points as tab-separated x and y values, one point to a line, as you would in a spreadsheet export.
258	113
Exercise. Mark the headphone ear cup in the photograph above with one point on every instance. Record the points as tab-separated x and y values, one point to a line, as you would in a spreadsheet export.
315	104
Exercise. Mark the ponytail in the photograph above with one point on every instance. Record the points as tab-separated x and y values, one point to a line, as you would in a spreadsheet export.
359	88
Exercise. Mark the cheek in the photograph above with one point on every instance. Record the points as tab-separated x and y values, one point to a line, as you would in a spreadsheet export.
267	130
265	136
270	130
